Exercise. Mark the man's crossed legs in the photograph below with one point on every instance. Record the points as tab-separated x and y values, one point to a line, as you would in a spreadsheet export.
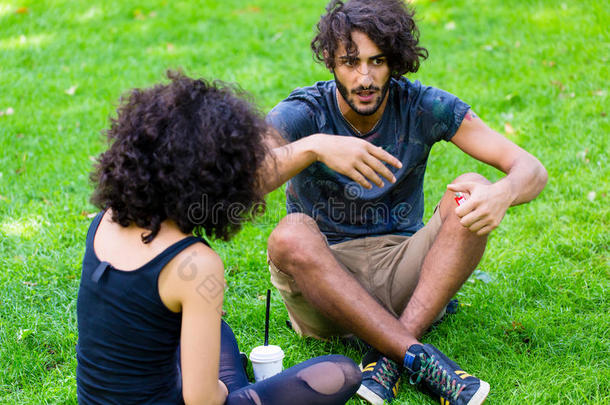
362	286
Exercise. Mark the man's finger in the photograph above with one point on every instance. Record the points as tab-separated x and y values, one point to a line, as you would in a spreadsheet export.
369	173
477	226
464	186
381	154
359	178
485	230
470	219
380	168
465	208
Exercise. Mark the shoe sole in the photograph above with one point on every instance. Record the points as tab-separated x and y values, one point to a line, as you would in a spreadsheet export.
479	397
368	395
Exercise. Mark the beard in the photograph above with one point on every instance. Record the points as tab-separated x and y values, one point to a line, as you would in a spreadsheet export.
345	93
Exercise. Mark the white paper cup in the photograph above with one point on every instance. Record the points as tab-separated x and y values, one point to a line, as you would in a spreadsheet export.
266	361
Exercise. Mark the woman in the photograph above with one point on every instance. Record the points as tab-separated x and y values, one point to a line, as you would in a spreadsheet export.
184	158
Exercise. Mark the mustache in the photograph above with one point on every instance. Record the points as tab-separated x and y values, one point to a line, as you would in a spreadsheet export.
362	88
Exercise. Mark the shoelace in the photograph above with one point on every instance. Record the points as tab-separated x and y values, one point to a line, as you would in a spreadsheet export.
434	374
385	374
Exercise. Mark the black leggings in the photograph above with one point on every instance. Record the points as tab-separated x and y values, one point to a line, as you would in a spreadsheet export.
325	380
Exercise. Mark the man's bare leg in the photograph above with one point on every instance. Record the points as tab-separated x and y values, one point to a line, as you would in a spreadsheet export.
297	247
454	255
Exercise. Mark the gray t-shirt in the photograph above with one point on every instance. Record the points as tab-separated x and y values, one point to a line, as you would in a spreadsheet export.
415	117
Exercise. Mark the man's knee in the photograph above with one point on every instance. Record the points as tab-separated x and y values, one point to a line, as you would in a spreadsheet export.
471	177
293	240
290	231
448	203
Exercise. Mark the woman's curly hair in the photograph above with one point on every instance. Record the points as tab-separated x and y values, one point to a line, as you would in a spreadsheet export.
388	23
187	151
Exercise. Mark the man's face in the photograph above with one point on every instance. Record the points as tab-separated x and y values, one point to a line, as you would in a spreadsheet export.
363	80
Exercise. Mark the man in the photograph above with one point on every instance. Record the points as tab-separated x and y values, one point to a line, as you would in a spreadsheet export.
353	255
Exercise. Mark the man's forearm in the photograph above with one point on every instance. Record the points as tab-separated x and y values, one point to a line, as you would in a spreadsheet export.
286	161
525	180
350	156
487	203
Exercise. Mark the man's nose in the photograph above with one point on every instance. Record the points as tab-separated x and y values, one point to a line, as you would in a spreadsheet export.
365	79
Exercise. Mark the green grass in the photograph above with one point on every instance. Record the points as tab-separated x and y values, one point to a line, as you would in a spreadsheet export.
538	331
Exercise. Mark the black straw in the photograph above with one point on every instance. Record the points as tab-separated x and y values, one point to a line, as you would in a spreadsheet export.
267	318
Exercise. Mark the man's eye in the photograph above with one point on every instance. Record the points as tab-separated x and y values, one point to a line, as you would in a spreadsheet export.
349	63
378	62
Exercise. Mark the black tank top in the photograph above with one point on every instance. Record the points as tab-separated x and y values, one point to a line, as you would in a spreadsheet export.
128	339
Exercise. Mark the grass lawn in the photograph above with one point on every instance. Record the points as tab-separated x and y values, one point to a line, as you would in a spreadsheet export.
534	322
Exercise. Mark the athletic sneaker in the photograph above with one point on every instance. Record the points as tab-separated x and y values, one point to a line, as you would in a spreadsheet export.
380	378
445	379
450	309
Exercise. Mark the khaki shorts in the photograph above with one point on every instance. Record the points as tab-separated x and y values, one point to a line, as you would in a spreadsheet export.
386	266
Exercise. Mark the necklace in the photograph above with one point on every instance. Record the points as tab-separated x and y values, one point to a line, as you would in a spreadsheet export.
351	126
356	129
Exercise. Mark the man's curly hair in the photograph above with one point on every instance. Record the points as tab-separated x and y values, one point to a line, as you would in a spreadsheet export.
187	151
388	23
